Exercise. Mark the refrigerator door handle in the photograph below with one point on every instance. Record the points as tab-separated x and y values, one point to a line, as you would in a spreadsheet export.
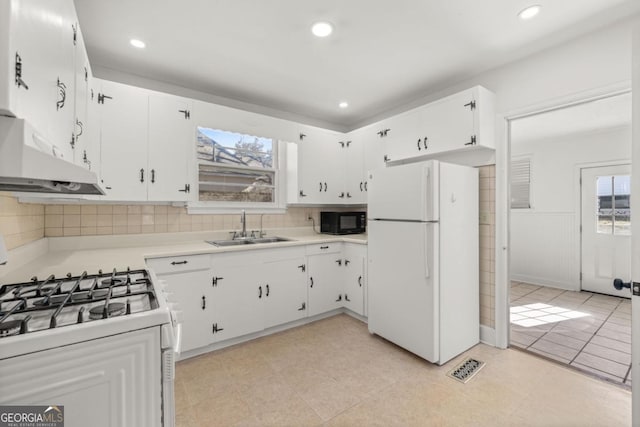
425	241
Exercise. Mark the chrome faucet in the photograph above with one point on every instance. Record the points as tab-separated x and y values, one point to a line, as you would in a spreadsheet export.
243	219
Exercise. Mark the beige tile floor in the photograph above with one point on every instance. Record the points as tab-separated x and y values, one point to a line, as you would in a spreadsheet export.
333	372
588	331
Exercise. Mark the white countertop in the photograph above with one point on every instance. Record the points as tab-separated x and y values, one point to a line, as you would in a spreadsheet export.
62	255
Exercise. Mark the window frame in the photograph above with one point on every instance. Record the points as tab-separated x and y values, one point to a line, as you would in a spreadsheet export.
279	203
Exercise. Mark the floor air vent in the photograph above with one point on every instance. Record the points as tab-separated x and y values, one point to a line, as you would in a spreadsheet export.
466	370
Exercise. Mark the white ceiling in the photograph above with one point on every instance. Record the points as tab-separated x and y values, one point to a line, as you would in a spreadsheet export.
383	53
602	114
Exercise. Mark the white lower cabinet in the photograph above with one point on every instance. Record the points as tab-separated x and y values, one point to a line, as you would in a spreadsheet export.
190	284
325	277
228	295
285	291
237	295
354	277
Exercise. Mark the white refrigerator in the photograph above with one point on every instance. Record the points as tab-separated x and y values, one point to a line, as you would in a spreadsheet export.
423	255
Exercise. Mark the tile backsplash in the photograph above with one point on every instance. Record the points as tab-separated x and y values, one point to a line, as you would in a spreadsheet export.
487	245
90	220
20	223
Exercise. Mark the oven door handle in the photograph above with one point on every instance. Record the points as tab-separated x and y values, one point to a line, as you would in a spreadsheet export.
178	334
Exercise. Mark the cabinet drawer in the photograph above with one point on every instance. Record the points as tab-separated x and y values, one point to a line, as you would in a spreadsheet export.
324	248
177	264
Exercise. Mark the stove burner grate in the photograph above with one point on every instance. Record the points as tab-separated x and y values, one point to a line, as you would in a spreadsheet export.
113	309
10	327
116	281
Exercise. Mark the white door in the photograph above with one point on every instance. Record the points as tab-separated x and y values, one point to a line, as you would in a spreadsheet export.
354	259
192	291
448	124
402	286
285	292
325	283
606	228
406	192
355	175
171	143
238	296
635	242
123	113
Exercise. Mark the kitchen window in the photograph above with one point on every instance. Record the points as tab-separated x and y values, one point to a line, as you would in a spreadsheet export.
613	205
236	169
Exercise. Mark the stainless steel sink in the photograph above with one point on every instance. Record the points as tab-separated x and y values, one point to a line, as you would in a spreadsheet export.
270	240
247	241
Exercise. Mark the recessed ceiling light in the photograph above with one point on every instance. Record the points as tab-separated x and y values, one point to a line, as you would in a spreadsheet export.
343	104
322	29
137	43
529	12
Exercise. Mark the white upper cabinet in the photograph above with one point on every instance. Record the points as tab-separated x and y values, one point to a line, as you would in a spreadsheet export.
123	141
146	143
460	121
452	127
37	68
355	178
319	162
171	147
84	140
397	135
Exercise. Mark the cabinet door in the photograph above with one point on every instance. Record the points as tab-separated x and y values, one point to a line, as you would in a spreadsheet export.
285	291
238	296
449	123
81	136
41	41
192	291
325	283
354	285
123	141
171	143
355	192
398	135
320	166
62	83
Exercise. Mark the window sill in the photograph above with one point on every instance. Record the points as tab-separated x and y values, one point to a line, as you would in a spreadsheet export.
209	208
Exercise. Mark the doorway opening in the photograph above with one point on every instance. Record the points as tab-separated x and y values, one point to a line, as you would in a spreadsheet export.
570	236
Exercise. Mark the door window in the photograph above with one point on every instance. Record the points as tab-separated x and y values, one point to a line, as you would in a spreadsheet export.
613	205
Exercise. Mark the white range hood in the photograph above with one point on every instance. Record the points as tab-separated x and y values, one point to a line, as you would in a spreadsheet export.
29	163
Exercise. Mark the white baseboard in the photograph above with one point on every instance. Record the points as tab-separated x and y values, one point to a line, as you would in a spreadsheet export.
543	281
487	335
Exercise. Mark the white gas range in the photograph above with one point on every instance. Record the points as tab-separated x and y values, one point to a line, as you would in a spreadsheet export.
102	345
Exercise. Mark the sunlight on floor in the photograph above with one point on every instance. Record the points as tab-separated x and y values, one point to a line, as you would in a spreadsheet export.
540	314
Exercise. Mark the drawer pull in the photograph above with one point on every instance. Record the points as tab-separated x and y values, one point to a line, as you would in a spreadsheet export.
324	247
179	262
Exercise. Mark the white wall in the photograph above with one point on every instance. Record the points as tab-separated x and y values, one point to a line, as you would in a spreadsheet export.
592	62
545	240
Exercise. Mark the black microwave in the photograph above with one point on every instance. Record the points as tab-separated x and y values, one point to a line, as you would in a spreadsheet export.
343	222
